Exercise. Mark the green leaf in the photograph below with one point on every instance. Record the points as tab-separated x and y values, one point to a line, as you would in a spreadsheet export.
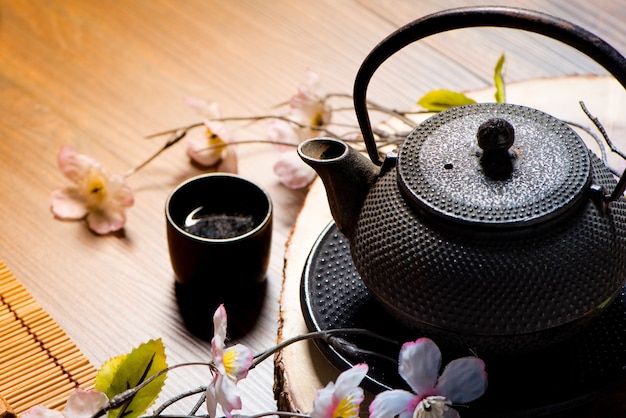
440	100
498	80
106	373
127	371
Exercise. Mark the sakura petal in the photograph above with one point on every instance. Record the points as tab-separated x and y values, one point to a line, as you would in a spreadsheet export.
237	361
198	149
393	403
210	396
349	380
308	105
206	109
219	332
103	222
75	166
67	204
324	402
40	411
84	403
292	172
419	365
280	130
312	78
463	380
121	194
222	391
451	413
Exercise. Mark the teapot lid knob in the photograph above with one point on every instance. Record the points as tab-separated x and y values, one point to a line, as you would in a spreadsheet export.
495	137
495	134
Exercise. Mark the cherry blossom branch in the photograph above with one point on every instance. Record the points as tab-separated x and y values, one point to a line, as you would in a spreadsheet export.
200	389
324	335
329	336
261	415
275	413
252	119
399	114
177	134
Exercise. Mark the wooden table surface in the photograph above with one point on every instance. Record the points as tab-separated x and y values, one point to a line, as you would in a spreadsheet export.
101	75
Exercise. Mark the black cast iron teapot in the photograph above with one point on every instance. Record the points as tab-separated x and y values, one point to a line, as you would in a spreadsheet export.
493	225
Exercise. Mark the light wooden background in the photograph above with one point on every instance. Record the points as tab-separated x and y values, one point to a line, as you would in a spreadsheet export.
100	75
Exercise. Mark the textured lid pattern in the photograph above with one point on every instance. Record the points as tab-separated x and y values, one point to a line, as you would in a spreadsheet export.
440	171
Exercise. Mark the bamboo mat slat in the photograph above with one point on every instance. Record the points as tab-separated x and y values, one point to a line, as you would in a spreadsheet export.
39	364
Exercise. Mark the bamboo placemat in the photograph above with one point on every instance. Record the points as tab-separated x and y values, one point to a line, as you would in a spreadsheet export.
39	364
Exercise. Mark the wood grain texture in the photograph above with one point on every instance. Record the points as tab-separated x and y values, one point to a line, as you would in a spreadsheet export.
101	75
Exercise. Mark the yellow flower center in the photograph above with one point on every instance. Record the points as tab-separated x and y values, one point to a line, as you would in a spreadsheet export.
230	362
215	142
94	189
318	119
346	409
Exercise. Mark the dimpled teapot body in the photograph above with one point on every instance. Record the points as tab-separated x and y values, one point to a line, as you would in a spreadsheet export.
492	226
497	291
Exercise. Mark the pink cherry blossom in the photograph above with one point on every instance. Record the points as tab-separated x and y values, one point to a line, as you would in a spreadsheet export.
98	196
309	110
308	105
80	404
210	148
291	171
462	381
231	365
343	398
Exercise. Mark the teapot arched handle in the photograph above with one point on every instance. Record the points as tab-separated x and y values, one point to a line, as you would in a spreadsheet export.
495	16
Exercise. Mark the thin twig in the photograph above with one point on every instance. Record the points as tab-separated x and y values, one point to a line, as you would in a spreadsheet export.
176	136
275	413
325	335
200	402
181	396
596	122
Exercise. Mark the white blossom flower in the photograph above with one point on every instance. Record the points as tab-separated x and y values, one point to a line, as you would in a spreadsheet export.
231	365
462	381
80	404
308	105
99	197
343	398
210	148
308	110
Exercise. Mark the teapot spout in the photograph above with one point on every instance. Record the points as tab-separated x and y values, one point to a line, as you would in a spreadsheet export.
346	174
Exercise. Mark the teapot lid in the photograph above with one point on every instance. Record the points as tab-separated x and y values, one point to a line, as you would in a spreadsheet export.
494	164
